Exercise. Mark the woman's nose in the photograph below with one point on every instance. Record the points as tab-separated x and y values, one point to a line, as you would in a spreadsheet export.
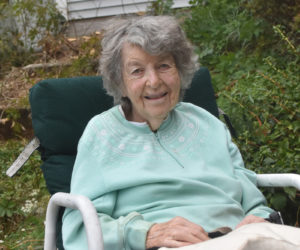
153	79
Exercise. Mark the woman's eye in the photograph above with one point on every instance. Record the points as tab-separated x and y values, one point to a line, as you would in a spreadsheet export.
164	66
137	71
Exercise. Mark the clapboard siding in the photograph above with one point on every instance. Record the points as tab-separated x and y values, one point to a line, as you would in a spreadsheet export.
80	9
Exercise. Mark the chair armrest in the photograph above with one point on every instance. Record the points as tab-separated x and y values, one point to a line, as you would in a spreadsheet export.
88	213
23	157
278	180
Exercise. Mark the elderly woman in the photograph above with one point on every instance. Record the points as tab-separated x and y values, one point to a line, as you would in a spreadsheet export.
160	172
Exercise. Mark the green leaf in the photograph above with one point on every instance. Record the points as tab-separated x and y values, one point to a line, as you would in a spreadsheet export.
278	201
251	99
269	161
291	192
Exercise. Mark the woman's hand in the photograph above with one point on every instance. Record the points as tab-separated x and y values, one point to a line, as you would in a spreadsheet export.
250	219
177	232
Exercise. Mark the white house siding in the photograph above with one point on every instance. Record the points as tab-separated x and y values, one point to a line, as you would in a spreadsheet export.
86	9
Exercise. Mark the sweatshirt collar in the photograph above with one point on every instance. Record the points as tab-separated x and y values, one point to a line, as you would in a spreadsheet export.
143	126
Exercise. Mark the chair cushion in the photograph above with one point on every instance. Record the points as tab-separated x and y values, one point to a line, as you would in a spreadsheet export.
201	92
61	109
57	170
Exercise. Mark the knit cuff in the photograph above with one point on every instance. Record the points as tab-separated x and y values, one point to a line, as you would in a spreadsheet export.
136	232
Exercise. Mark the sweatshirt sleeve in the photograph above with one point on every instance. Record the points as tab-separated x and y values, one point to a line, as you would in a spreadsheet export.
126	232
253	201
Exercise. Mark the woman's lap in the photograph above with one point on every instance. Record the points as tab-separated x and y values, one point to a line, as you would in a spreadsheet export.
253	237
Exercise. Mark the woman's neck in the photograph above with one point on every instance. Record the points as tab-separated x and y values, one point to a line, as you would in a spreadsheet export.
154	124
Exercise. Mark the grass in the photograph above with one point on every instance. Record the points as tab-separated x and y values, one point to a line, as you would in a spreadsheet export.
23	200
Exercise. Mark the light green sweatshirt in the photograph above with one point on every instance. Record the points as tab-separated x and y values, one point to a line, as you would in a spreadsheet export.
135	177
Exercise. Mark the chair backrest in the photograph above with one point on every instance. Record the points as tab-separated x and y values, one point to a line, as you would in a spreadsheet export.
201	92
60	110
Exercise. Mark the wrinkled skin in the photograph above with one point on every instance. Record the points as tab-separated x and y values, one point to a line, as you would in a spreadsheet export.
179	232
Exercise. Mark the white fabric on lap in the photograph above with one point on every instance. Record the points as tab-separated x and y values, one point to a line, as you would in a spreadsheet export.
258	236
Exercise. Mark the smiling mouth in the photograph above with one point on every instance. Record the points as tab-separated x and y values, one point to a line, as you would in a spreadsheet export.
155	97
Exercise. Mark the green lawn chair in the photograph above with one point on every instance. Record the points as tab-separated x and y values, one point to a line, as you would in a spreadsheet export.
61	109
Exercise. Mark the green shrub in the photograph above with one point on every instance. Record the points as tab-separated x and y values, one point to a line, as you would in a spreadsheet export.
23	24
276	12
161	7
267	102
223	31
255	72
264	106
35	19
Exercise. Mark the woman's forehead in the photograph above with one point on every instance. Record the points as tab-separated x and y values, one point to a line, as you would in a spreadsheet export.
133	54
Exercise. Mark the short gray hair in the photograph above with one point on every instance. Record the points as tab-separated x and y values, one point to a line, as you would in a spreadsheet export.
157	35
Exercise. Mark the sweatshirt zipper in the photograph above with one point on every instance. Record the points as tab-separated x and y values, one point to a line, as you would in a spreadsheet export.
166	150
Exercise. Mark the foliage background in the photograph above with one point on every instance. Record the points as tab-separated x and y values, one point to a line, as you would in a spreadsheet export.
251	48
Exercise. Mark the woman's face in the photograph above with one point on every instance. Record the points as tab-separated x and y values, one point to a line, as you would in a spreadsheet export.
152	84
